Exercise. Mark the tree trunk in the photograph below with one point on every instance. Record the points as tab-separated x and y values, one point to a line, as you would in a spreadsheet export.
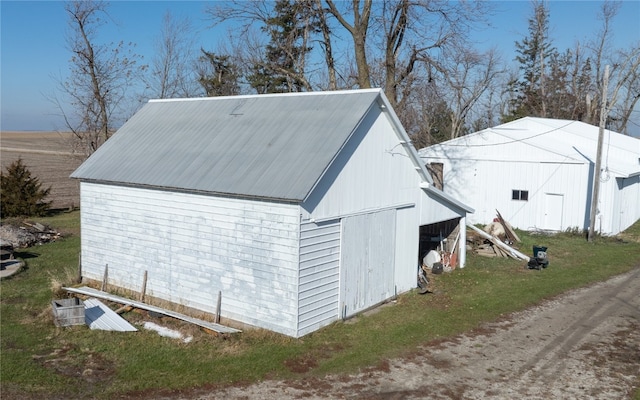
358	33
328	50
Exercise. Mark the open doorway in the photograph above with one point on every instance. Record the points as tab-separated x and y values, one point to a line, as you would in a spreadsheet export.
439	236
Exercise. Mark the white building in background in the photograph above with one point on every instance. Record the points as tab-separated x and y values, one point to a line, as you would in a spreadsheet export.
539	174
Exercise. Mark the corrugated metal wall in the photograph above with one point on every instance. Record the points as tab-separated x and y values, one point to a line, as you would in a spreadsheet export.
626	205
553	161
194	246
486	185
319	275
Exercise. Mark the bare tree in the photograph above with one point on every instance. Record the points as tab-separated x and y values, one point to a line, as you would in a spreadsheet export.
625	86
326	43
361	13
426	118
624	77
630	86
469	75
400	34
171	74
580	83
99	80
279	64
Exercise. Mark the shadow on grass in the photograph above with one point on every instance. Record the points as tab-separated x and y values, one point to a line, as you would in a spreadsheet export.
54	212
25	254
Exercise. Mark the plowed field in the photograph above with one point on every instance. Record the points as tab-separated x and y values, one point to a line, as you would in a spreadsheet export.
49	158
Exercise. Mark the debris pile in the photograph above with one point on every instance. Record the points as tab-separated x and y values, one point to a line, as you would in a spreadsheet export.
27	234
495	240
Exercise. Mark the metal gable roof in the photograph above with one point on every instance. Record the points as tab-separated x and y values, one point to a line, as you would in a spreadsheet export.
579	141
268	146
544	140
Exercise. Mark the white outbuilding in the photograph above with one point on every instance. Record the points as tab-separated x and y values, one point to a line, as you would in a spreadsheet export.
300	209
539	174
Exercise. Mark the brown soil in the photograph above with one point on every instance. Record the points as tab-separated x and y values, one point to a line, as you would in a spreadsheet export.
49	158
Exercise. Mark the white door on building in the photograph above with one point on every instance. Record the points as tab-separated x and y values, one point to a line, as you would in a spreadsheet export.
553	206
367	262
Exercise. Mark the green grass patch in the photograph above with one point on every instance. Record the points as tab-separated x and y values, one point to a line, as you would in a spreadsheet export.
40	360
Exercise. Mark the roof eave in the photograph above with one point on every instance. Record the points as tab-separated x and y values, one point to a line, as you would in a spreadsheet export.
439	193
192	191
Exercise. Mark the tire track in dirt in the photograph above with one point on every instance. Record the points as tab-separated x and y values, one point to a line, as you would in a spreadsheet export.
587	321
555	360
581	345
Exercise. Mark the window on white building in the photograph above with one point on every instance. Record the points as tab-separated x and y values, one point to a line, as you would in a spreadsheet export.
520	195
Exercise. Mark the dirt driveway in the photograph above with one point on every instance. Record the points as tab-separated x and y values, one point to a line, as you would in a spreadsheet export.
582	345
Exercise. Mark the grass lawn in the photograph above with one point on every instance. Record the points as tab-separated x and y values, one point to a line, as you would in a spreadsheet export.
39	360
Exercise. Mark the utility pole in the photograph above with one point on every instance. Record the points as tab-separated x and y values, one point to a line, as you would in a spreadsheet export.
596	172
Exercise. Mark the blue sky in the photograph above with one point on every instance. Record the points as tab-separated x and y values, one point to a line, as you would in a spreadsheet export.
32	45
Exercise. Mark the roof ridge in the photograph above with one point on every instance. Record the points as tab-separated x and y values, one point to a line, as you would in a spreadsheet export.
262	96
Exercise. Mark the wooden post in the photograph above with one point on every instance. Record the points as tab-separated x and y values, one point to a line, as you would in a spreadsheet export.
218	307
105	278
144	287
79	277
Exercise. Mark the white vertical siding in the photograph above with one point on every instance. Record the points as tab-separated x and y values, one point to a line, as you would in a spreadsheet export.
406	254
367	260
486	185
194	246
434	209
374	176
626	204
631	202
373	171
319	275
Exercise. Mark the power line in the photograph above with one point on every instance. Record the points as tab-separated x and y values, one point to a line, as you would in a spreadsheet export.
511	141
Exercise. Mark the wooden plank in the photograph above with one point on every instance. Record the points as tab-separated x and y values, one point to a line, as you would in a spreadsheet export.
496	249
510	250
485	252
117	299
511	234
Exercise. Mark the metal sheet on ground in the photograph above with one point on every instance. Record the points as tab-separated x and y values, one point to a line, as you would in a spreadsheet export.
107	296
98	316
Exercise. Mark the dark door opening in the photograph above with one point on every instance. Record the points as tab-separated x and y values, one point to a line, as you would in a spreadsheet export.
439	236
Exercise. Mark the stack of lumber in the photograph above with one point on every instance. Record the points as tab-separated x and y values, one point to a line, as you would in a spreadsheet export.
486	244
490	249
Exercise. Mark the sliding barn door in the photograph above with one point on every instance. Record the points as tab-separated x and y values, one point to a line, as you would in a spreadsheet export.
367	266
